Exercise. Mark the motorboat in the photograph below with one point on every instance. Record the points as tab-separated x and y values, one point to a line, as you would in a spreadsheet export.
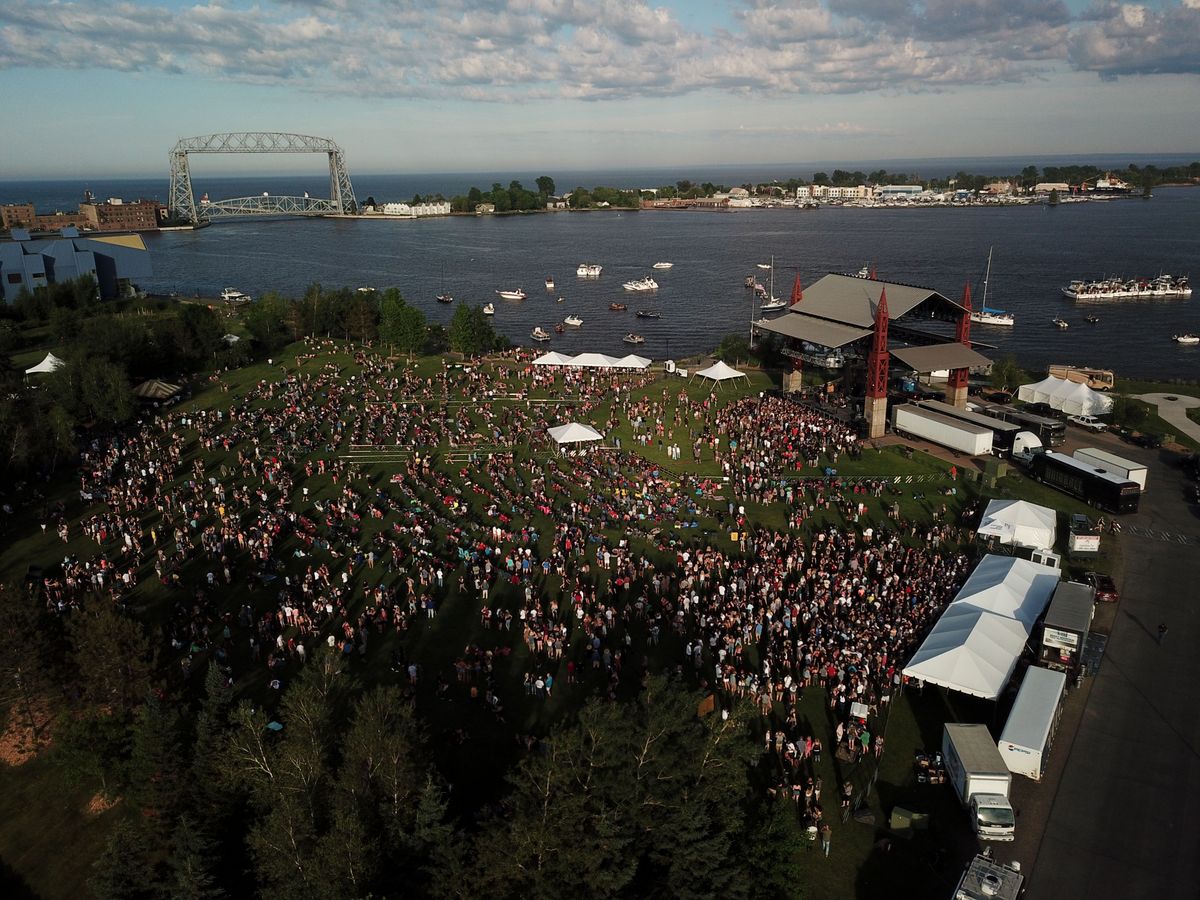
1162	287
549	284
233	295
632	338
1060	322
618	307
518	294
366	290
444	298
588	270
489	309
573	320
560	299
559	328
648	314
749	282
540	334
663	265
1093	319
773	304
641	284
764	266
1186	338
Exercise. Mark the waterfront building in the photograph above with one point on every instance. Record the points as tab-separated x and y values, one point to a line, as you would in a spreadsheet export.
898	191
29	263
114	214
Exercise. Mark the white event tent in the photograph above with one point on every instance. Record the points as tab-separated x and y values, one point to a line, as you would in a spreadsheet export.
1020	523
592	361
719	372
49	364
574	433
976	643
1071	397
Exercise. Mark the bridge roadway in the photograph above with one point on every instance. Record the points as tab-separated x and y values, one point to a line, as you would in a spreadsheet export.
1124	822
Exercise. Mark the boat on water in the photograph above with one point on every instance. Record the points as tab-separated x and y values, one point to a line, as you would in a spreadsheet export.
518	294
366	290
1093	319
618	307
444	298
632	338
540	334
1060	322
1162	287
559	328
648	314
549	284
663	265
560	299
763	265
573	320
641	284
773	304
750	283
986	315
864	272
489	309
1186	338
233	295
588	270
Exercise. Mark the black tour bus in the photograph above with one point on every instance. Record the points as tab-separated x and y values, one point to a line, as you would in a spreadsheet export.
1051	432
1095	487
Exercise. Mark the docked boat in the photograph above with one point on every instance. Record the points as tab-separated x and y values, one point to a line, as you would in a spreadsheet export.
1163	287
618	307
549	284
573	321
986	314
540	334
444	298
1060	322
773	304
632	338
233	295
648	314
641	284
588	270
1185	338
518	294
663	265
489	309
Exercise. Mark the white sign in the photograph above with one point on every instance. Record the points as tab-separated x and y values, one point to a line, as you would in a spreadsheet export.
1054	637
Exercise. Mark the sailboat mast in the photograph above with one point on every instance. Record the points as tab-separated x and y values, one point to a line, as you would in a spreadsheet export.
986	275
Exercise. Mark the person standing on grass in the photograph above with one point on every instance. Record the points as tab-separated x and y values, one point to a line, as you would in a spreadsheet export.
826	838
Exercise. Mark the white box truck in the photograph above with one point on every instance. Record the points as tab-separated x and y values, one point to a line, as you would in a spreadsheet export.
1025	742
974	440
1110	462
981	780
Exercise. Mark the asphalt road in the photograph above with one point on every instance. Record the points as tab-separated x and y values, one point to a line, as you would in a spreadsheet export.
1125	820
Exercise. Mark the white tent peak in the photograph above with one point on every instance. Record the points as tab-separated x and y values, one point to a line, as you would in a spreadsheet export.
553	358
720	371
1020	523
49	364
574	433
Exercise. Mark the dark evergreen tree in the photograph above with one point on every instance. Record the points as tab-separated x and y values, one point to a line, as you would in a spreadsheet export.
125	869
191	864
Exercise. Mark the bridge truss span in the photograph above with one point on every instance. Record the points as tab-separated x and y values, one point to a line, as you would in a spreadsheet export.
182	204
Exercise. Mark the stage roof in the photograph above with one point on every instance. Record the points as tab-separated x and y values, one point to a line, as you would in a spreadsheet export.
939	356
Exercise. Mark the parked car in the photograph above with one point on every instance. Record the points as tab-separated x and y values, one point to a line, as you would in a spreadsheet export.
1105	587
1044	409
1149	441
1091	423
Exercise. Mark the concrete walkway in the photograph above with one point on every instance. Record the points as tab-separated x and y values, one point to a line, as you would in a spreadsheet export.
1172	408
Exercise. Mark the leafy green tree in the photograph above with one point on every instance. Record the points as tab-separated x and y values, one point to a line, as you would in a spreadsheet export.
110	653
1006	373
92	750
471	334
125	869
26	679
733	347
401	326
474	197
545	185
266	321
92	389
156	763
191	864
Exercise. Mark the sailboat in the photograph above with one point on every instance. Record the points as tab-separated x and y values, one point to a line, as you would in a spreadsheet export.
444	297
771	303
986	315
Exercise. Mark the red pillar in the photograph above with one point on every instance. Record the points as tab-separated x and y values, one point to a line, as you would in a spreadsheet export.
877	362
873	278
797	291
958	377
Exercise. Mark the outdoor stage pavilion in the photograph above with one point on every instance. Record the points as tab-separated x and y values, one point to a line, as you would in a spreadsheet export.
861	324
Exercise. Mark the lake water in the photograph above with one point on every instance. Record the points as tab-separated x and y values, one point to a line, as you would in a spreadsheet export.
1036	251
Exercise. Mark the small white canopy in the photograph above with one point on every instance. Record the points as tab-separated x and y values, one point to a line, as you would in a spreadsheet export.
574	433
976	643
231	339
719	371
49	364
553	358
1071	397
632	361
1020	523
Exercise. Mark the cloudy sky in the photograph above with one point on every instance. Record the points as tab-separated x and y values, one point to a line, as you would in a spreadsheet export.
487	85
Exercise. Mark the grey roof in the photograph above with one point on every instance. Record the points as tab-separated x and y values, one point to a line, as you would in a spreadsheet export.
816	331
852	300
939	356
1072	606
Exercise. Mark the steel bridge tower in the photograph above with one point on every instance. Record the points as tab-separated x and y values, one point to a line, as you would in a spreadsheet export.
182	203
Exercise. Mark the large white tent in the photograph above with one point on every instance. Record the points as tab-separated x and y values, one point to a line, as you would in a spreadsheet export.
719	371
976	643
553	358
49	364
592	361
633	361
1071	397
574	433
1020	523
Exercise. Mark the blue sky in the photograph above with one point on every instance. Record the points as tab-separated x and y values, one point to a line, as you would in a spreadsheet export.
90	87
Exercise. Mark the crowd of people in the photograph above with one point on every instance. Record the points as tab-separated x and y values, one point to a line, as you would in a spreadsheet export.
582	568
